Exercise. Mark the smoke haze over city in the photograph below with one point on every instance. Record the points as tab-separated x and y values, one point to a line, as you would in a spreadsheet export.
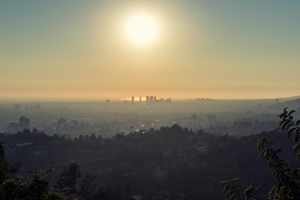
149	99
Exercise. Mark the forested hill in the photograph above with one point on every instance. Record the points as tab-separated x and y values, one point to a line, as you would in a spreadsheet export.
170	163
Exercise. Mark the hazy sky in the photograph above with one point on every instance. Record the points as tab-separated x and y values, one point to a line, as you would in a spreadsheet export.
212	48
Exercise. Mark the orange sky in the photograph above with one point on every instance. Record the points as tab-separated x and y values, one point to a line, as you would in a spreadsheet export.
76	49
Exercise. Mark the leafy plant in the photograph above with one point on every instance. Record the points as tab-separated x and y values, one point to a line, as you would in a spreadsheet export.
287	176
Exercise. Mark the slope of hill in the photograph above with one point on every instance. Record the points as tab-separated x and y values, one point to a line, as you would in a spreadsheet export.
292	105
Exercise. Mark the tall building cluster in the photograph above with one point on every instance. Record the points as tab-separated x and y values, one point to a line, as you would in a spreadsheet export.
36	107
152	99
24	123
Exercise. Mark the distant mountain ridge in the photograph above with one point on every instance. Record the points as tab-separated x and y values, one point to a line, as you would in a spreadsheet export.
291	104
290	98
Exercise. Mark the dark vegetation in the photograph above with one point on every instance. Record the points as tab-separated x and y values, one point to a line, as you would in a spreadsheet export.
170	163
287	177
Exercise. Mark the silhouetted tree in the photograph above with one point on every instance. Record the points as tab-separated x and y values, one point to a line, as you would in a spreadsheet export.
7	168
93	137
127	190
69	177
80	137
86	186
35	187
104	193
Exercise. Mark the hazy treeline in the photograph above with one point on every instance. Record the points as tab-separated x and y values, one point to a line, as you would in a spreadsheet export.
174	162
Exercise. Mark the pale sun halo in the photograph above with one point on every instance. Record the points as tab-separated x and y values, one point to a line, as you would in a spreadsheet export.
141	29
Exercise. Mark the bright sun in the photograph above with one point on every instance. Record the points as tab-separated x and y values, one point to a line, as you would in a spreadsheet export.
141	29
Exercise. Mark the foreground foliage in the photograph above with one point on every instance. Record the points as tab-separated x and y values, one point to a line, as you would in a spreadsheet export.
34	187
37	186
287	176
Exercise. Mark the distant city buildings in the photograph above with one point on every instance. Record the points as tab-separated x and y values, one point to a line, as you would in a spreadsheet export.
199	99
24	123
152	99
13	127
168	100
62	122
37	107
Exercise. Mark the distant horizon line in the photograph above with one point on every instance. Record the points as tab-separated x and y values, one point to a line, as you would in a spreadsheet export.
126	99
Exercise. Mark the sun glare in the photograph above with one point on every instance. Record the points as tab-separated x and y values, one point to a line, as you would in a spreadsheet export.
141	29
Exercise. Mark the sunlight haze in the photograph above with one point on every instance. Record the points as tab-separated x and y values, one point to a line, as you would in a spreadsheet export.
141	29
214	49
